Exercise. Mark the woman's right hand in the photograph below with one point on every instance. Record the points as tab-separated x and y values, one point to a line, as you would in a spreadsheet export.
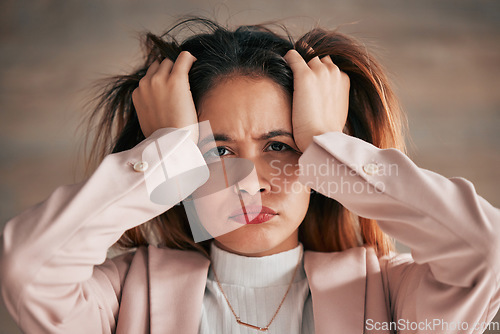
163	98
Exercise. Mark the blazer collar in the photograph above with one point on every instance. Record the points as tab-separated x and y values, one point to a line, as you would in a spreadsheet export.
177	285
178	279
338	287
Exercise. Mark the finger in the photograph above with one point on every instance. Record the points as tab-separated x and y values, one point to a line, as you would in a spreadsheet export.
315	63
183	63
165	67
346	78
327	60
295	61
152	69
136	98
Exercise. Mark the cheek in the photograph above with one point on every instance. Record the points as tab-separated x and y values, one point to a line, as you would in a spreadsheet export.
212	212
285	183
297	200
284	178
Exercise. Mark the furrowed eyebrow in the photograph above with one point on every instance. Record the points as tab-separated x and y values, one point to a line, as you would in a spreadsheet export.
275	133
265	136
217	137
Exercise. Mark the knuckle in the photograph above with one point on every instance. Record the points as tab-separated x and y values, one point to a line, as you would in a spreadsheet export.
176	77
170	85
156	81
346	79
142	83
309	78
333	68
322	73
324	70
336	74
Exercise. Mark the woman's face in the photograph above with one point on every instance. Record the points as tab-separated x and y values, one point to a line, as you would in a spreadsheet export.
243	110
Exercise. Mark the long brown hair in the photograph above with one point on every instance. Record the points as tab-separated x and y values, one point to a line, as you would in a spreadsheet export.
256	50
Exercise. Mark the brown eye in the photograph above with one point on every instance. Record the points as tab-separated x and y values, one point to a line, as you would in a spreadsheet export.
279	146
218	151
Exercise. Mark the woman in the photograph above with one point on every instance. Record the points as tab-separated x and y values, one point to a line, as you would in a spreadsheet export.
304	251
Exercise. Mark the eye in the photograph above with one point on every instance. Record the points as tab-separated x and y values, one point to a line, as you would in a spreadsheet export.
279	146
215	152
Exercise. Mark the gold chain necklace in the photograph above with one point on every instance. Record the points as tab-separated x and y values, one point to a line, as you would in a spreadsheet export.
238	320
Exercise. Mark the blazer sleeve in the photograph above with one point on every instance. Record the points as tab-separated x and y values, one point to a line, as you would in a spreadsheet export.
453	273
48	256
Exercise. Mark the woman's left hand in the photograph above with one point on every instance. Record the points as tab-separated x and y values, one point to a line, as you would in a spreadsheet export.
320	97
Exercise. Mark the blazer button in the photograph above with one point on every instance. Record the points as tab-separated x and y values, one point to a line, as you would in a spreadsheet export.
141	166
370	169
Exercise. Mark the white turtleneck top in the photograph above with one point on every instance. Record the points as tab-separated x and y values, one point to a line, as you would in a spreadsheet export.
255	287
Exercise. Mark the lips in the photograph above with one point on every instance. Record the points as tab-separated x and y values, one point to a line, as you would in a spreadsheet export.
252	214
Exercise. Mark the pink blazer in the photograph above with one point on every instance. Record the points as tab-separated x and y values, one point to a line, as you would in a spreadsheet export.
55	277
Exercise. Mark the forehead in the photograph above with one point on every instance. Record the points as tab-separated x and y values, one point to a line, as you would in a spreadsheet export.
246	107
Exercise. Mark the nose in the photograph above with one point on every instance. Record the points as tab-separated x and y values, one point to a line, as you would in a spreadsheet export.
254	183
249	189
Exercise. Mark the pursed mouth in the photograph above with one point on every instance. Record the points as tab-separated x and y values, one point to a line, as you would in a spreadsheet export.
253	213
252	210
253	218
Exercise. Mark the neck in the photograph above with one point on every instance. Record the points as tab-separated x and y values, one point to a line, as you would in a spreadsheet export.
276	269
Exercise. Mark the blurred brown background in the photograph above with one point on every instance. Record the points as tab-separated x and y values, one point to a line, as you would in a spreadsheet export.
443	57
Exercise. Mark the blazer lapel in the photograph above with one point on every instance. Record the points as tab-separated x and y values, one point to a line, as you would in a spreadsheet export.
177	285
178	279
338	283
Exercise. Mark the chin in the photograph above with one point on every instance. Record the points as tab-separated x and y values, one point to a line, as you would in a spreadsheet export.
253	240
245	242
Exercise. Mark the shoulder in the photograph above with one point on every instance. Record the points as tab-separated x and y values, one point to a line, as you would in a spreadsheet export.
354	262
362	254
399	265
363	261
151	258
117	266
395	260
